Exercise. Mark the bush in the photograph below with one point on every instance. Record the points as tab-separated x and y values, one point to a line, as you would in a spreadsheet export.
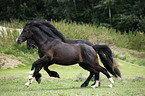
119	14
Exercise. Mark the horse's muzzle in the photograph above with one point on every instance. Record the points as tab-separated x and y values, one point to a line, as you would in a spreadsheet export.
19	41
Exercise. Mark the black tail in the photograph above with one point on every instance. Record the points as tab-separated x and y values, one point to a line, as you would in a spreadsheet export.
106	57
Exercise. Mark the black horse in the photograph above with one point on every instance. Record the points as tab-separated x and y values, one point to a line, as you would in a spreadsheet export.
104	51
53	50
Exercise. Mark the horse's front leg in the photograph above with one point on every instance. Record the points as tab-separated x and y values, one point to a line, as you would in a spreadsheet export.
51	73
37	65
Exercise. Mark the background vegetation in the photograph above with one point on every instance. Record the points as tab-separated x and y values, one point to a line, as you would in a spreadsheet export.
123	15
129	47
117	23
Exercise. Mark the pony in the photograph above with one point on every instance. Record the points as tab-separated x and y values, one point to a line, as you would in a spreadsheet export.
52	50
103	51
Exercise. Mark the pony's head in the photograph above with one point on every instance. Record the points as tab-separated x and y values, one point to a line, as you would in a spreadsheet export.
46	27
25	34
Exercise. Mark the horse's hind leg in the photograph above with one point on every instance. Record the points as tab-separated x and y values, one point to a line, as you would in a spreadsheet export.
96	69
96	80
104	71
88	80
91	70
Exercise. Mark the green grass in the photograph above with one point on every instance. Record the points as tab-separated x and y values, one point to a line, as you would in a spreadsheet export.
131	84
127	47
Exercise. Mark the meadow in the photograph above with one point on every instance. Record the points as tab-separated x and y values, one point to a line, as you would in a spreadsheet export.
128	50
131	84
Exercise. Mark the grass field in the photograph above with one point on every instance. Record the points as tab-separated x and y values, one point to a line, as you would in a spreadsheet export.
132	82
128	49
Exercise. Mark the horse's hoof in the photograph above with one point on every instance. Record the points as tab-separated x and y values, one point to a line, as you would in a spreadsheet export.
54	74
95	85
110	86
84	85
39	80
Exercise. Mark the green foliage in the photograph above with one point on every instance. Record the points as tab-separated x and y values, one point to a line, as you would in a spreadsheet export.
122	15
130	15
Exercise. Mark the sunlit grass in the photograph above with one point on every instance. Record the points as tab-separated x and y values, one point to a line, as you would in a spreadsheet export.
132	82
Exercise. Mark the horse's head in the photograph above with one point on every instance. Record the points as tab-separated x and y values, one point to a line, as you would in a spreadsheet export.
25	34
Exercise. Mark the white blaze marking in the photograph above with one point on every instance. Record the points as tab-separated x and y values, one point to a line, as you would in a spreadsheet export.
19	35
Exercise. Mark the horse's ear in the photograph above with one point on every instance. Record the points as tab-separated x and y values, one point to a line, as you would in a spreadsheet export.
32	25
36	24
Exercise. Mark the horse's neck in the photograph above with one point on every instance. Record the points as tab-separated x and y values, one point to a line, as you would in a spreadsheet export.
41	38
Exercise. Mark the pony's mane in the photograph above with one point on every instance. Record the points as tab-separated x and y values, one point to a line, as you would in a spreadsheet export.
48	28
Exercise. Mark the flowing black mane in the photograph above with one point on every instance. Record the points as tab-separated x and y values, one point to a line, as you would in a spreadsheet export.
48	28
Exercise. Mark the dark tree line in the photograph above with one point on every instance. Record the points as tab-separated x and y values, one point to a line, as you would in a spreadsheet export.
123	15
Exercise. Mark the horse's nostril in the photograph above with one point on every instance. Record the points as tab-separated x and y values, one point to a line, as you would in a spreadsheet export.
19	41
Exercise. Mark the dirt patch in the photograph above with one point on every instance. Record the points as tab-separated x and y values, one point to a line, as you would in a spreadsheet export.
9	61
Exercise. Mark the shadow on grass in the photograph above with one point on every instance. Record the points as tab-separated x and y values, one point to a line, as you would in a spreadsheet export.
64	88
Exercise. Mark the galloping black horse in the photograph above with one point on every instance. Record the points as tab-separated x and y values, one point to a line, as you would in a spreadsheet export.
104	51
50	51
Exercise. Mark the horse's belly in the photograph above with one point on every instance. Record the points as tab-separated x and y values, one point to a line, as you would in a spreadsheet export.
65	60
67	55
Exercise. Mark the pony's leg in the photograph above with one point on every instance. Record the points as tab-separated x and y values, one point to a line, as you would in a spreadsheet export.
104	71
96	69
96	80
37	65
33	74
51	73
88	80
92	71
37	77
